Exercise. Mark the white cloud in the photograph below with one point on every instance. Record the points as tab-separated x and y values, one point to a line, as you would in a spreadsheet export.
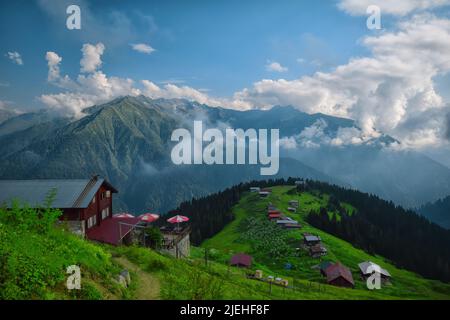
316	135
53	61
170	91
288	143
276	67
15	57
87	89
388	91
392	7
143	48
91	57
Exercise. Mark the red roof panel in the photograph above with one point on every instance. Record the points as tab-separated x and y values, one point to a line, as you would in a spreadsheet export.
112	229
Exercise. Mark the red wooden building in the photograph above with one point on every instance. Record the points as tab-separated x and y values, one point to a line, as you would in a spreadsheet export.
339	275
241	260
85	203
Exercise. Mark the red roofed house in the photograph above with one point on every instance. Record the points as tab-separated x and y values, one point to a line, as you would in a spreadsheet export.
339	275
86	205
241	260
274	216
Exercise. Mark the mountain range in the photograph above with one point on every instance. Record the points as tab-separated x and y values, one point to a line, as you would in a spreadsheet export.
127	140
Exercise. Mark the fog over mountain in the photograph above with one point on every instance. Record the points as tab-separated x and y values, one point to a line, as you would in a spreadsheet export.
128	141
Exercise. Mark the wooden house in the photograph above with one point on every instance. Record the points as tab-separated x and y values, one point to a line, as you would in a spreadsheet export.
311	240
317	251
293	203
323	266
339	275
85	203
367	268
241	260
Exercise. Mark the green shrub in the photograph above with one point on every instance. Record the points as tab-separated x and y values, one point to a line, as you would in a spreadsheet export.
34	255
154	237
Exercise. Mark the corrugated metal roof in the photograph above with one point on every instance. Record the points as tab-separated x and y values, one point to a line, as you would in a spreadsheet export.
364	266
70	193
312	238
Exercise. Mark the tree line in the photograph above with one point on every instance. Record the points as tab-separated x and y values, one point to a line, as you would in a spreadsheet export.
380	227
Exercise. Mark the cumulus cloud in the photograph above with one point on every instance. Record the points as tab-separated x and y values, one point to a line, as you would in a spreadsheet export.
386	91
170	91
391	90
91	57
288	143
143	48
318	135
276	67
15	57
392	7
87	89
53	61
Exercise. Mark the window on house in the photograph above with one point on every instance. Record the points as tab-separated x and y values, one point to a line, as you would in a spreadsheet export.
93	199
108	194
92	221
105	213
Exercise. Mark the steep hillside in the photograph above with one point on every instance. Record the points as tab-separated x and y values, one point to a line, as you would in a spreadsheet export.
272	249
34	255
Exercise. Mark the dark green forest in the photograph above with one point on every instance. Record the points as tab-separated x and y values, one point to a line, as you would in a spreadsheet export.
409	240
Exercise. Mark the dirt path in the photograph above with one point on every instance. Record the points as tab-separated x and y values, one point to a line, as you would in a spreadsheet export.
147	285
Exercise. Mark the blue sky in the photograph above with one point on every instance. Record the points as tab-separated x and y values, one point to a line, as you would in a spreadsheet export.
221	46
318	56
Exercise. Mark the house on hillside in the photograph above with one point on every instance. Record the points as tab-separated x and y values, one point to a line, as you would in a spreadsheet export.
286	220
293	203
311	240
176	240
323	266
300	183
85	203
264	194
273	216
367	268
241	260
255	189
340	276
294	225
317	251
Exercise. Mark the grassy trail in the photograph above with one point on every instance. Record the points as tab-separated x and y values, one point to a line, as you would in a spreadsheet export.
147	286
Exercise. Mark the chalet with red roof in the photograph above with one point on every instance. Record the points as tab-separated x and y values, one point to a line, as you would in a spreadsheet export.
86	204
339	275
241	260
